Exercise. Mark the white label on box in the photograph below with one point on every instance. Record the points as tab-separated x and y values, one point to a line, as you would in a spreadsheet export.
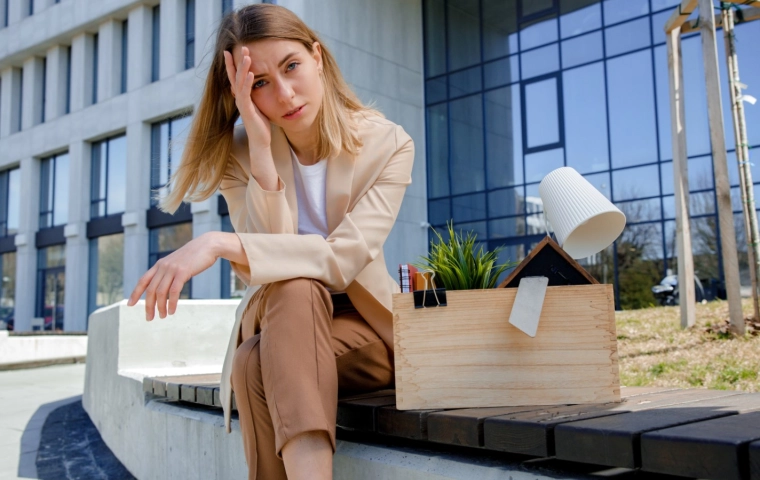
528	304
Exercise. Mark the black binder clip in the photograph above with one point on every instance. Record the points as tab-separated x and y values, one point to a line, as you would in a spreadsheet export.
435	297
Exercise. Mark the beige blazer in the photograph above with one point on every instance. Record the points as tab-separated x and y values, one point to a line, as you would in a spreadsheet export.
363	197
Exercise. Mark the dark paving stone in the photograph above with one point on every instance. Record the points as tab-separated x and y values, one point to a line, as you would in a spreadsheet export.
71	448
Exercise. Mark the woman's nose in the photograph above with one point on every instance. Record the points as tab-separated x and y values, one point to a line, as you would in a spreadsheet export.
285	92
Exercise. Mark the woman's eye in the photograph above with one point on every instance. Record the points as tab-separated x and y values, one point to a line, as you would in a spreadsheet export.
292	64
258	84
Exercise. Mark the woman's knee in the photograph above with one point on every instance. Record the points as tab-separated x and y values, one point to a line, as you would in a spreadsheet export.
300	289
246	364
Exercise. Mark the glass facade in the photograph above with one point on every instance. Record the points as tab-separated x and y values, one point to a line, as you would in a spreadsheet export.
517	88
108	181
51	287
167	144
54	191
7	290
106	275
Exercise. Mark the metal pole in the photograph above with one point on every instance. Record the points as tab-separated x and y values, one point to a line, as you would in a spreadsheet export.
742	153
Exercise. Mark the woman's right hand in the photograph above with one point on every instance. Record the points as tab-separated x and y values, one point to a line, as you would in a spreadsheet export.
241	82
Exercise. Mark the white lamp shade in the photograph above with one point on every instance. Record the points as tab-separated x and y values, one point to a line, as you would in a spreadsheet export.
584	221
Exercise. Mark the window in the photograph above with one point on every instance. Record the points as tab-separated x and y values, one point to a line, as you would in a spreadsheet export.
189	34
68	80
167	144
30	7
94	99
44	89
6	4
226	7
20	101
232	286
155	44
109	170
124	55
10	196
54	191
51	287
7	290
106	275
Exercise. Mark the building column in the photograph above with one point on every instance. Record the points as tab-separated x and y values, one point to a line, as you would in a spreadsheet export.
31	100
10	102
139	47
172	42
207	284
109	59
75	231
138	202
207	17
55	102
26	252
81	71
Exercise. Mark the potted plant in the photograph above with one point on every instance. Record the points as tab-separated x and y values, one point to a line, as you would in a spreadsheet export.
458	265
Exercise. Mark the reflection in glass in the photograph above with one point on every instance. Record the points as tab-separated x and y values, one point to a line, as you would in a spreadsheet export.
507	227
585	118
435	38
701	203
503	137
167	144
499	28
583	49
435	90
540	61
501	72
579	20
634	183
505	201
109	170
464	82
469	207
466	136
600	181
439	211
662	88
532	7
541	113
639	256
628	36
695	93
463	33
106	276
618	10
704	245
438	151
640	210
14	199
537	165
538	34
54	191
631	106
51	287
7	290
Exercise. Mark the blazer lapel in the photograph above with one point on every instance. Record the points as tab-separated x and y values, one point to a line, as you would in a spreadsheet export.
340	176
283	163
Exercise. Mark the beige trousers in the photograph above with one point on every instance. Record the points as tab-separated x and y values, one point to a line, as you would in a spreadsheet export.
300	348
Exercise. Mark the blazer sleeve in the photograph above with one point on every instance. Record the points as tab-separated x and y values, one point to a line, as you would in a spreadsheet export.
252	208
336	260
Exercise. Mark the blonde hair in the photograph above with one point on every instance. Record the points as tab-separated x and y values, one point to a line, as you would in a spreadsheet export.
209	141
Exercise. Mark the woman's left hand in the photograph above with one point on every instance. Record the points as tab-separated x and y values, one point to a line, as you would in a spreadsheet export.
164	281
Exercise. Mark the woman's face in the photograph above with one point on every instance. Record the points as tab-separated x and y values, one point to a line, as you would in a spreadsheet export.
286	85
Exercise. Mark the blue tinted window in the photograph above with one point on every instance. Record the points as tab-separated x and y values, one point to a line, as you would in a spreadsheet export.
469	207
435	37
600	181
538	34
506	201
581	21
631	108
439	211
583	49
438	151
435	90
189	33
537	165
542	113
463	33
503	137
632	183
585	118
155	44
465	82
628	36
618	10
466	134
501	72
540	61
124	55
499	28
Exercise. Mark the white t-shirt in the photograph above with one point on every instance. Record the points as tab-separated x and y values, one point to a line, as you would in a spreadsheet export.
310	183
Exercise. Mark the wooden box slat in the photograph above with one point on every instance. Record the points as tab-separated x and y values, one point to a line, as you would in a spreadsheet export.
615	440
359	414
710	449
411	424
467	355
532	432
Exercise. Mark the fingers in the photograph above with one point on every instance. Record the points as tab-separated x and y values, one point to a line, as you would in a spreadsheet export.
174	293
142	284
241	78
150	295
162	294
231	72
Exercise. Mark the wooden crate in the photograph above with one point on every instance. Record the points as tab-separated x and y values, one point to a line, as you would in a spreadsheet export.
467	355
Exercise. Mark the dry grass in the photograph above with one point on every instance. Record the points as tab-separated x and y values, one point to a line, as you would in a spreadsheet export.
655	351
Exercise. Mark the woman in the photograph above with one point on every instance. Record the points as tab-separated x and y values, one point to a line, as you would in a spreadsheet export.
314	181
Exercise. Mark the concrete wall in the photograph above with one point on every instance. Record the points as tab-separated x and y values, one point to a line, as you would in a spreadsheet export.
37	348
377	44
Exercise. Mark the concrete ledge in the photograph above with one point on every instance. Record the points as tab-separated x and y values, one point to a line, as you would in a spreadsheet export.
19	351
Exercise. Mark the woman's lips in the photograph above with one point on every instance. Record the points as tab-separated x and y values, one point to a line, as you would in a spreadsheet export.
295	114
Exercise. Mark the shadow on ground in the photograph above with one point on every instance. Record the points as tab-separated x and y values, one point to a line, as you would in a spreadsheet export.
70	447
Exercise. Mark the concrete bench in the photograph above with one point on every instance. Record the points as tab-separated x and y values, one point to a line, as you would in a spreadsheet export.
151	388
686	432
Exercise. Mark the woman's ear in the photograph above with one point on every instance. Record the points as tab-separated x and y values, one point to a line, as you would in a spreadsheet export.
316	53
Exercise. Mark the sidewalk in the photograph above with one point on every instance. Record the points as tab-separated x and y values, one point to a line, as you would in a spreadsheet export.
22	393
